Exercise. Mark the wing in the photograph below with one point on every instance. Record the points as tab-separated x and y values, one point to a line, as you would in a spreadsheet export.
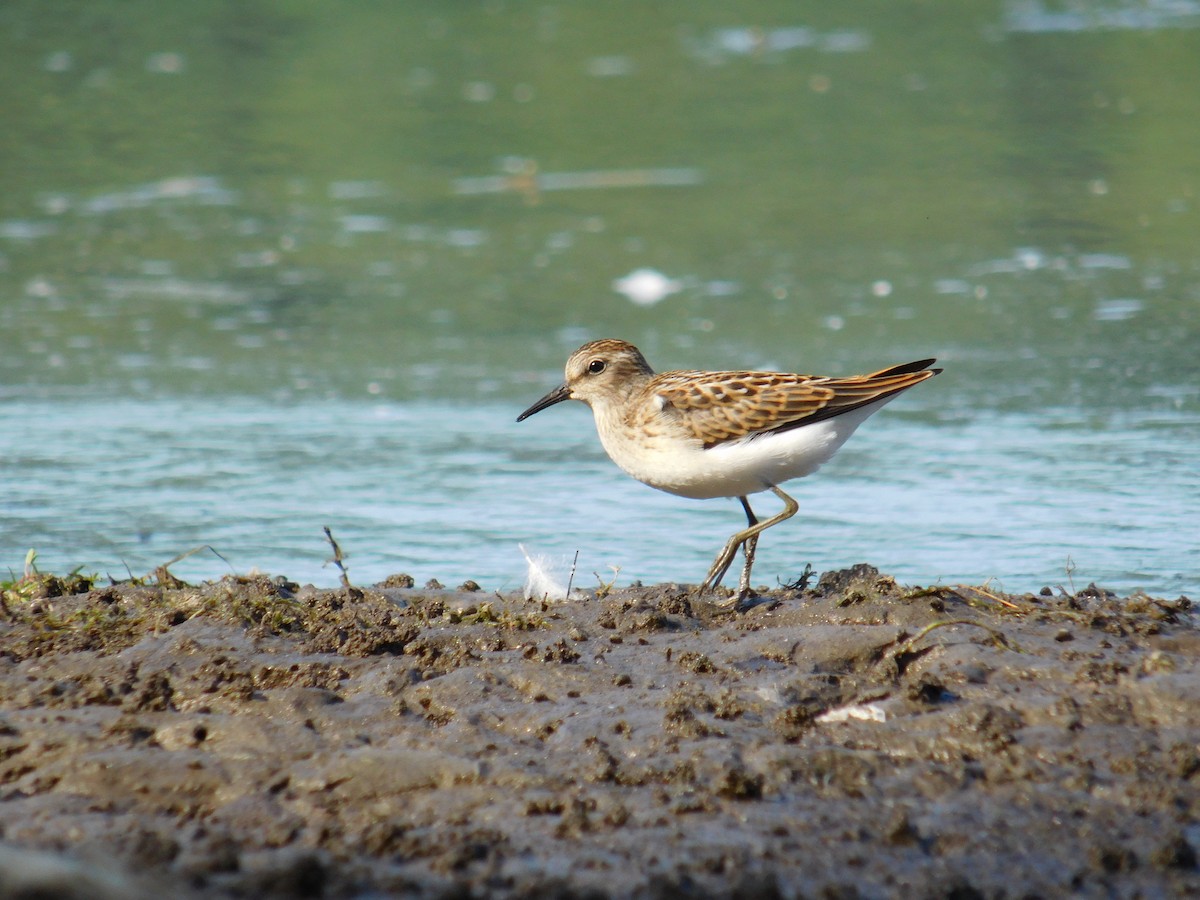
723	406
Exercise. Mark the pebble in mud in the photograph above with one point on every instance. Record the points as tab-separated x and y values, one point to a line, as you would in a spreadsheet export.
250	736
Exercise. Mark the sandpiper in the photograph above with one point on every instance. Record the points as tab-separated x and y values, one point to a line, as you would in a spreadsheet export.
722	434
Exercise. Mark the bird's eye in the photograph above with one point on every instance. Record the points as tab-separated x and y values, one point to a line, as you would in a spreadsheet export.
596	366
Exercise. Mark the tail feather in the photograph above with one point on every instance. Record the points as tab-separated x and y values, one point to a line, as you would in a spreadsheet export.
905	369
858	391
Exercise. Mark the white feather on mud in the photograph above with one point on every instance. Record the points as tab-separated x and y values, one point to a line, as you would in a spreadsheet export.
549	578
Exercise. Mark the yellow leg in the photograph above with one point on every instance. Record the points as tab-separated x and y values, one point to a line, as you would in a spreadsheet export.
747	538
748	549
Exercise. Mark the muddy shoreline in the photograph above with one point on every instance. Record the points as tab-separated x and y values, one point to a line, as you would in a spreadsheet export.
252	737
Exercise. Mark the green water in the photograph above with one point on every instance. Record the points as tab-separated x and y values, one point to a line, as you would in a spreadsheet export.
273	203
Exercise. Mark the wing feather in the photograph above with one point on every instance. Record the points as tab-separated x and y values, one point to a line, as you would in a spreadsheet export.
723	406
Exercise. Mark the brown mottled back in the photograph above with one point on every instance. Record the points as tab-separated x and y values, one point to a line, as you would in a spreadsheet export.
723	406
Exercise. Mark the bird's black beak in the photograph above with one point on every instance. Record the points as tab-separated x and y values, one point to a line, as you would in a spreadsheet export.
558	395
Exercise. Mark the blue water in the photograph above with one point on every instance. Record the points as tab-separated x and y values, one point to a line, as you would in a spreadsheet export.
449	492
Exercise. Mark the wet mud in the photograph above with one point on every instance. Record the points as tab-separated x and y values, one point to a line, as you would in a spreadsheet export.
859	738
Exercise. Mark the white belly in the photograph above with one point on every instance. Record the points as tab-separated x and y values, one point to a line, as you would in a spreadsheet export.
737	468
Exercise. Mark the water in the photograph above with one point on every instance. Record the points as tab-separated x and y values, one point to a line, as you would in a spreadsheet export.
450	492
268	269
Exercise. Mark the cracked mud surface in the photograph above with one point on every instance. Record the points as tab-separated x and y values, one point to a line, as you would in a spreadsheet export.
252	738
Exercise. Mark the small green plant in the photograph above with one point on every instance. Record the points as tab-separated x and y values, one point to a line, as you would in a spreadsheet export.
29	570
486	614
33	584
606	587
